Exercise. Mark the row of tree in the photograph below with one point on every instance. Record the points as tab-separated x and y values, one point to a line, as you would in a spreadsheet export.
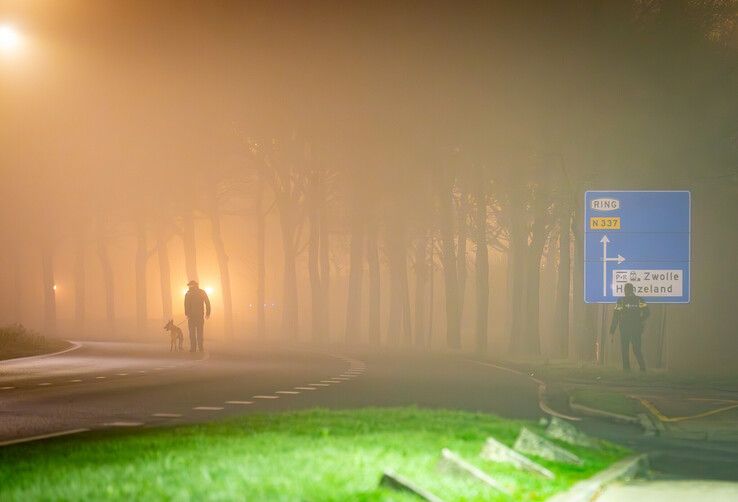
440	198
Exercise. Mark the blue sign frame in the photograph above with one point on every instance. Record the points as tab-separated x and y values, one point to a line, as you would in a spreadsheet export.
640	237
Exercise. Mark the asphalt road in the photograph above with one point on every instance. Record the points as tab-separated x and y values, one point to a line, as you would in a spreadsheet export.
110	385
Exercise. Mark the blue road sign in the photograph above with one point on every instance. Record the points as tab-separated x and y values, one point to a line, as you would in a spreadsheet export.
641	237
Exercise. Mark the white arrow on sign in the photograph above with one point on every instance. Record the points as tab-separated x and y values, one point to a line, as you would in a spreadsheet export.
605	259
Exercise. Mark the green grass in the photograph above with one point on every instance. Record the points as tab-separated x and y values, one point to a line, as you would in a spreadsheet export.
608	401
17	341
315	455
592	373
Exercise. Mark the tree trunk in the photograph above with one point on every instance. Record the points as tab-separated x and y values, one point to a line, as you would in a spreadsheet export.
561	329
141	259
318	256
47	266
450	275
289	295
189	246
260	259
225	275
589	334
79	283
399	327
407	330
17	285
316	290
165	276
356	275
481	267
325	264
421	284
372	256
107	274
516	264
463	230
533	284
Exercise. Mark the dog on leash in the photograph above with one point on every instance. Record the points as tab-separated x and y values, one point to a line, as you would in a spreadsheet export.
176	337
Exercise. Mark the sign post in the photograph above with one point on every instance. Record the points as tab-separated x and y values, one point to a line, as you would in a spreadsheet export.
638	237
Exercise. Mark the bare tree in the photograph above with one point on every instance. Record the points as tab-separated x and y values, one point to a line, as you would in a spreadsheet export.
213	212
101	230
481	263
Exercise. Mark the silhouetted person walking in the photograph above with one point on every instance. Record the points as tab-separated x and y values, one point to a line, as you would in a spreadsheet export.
197	309
630	315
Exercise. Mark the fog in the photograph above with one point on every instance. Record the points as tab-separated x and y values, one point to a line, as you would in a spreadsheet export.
396	175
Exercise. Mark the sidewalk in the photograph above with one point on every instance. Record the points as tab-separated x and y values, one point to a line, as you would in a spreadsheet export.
671	491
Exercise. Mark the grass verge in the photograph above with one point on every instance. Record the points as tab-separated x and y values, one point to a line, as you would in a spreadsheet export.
17	341
314	455
726	378
607	401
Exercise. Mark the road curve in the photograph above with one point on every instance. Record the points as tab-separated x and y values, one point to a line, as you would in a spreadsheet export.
110	385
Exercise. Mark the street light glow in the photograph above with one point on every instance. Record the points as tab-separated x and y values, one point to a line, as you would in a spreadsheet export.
10	39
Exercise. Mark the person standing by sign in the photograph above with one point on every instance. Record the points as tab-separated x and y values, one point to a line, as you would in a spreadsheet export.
197	309
630	316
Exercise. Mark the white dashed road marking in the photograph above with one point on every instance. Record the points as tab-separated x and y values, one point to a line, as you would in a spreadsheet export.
7	387
239	402
305	388
287	392
44	384
123	424
266	397
207	408
320	384
76	380
122	374
167	415
100	378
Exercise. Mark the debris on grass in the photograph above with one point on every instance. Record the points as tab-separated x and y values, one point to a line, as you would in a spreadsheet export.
531	443
495	451
453	463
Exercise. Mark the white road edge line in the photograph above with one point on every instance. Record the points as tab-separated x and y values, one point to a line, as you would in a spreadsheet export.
42	436
75	346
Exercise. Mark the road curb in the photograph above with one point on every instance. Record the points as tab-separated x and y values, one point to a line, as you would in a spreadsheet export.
597	413
589	489
75	346
542	389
